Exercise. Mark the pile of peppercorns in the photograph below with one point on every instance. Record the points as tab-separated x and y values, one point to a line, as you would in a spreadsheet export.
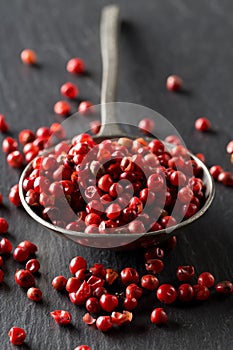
89	287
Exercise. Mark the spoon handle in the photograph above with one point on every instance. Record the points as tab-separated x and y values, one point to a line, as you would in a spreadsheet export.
109	28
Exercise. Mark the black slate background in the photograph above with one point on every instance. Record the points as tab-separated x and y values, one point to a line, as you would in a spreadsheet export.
190	38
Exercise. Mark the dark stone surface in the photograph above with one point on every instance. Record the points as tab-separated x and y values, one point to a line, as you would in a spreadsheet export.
190	38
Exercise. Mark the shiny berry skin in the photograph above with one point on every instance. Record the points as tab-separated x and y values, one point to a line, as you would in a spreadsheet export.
17	335
24	279
34	294
9	145
73	284
26	136
136	226
226	178
28	57
69	90
149	282
108	302
202	124
77	263
95	126
146	125
75	66
61	317
159	316
168	221
3	124
174	83
82	347
154	265
62	108
185	292
1	261
154	253
82	294
15	159
185	195
33	265
129	275
105	182
20	254
206	279
59	283
215	170
92	219
201	292
1	276
229	147
155	182
32	248
113	211
177	178
99	291
3	225
5	246
85	107
185	273
130	303
224	287
93	305
133	291
166	293
104	323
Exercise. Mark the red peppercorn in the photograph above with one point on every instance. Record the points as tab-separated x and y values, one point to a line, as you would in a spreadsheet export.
77	263
97	292
224	287
17	335
20	254
93	305
62	108
24	279
5	246
58	131
185	292
14	195
83	293
1	261
73	284
76	66
3	124
229	147
61	317
206	279
26	136
226	178
1	276
130	303
201	292
146	125
174	83
110	276
34	294
104	323
28	57
154	265
129	275
33	265
82	347
185	273
136	226
201	156
108	302
133	291
3	225
31	247
159	316
149	282
95	126
59	283
69	90
185	194
92	219
202	124
113	211
168	221
166	293
15	159
85	107
177	178
215	170
154	253
9	145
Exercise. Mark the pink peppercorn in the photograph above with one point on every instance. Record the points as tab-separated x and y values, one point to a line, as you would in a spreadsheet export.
202	124
62	108
75	66
85	107
229	147
69	90
3	225
174	83
3	124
